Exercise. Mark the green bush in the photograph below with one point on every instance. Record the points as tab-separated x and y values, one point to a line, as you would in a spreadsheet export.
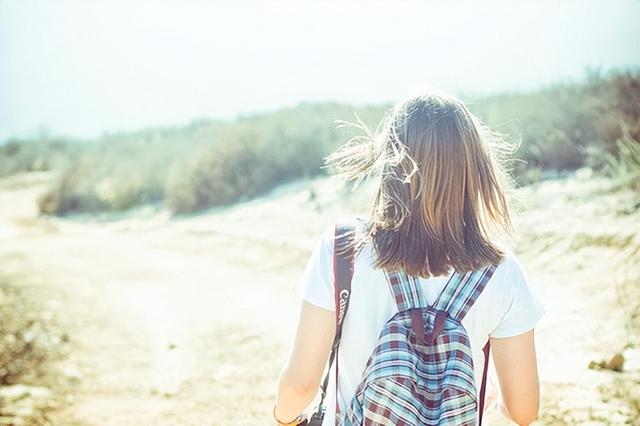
216	178
247	165
625	164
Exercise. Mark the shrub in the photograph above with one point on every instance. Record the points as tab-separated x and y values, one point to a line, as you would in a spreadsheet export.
218	177
625	165
238	169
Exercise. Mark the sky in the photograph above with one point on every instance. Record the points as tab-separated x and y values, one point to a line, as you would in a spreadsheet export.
82	68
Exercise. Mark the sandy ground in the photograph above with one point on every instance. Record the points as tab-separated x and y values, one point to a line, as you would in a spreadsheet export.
188	320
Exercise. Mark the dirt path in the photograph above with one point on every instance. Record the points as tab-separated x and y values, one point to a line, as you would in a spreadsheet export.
188	321
159	336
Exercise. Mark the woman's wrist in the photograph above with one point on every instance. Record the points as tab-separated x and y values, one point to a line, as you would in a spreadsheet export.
299	419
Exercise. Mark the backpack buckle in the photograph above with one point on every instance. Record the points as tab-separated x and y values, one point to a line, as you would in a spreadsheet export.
417	324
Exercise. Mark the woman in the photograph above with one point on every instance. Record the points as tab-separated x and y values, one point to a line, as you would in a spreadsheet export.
441	207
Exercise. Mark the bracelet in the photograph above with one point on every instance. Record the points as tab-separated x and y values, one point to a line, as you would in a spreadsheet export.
293	422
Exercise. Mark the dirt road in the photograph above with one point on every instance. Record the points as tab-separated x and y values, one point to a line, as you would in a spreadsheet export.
160	336
187	321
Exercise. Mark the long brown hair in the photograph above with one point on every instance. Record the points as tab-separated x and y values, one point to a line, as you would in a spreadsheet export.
441	198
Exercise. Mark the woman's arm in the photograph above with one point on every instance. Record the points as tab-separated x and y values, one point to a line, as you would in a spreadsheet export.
301	375
516	367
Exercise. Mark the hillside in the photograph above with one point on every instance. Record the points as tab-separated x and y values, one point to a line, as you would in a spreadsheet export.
212	163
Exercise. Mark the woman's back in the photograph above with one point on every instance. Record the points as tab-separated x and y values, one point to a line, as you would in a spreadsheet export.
507	307
441	205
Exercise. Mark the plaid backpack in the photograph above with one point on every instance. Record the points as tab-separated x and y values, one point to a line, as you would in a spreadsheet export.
421	371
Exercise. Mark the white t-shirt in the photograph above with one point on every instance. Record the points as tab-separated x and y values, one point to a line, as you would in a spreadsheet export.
508	306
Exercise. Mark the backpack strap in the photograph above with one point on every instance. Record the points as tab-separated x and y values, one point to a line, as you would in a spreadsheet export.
343	268
462	291
483	384
406	292
456	298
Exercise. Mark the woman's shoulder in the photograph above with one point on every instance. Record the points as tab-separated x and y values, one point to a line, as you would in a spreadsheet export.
510	259
515	297
509	273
